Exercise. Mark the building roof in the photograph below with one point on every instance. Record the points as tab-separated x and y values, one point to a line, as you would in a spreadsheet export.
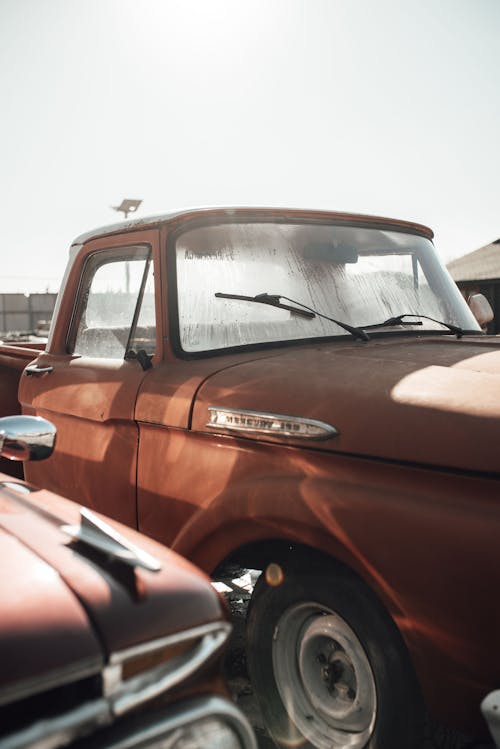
480	265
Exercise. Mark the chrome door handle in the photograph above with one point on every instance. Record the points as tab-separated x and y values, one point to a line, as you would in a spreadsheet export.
34	370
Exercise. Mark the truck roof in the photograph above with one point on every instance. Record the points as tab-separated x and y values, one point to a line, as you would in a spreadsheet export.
231	212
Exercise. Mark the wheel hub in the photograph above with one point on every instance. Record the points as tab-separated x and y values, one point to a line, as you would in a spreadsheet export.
338	675
324	678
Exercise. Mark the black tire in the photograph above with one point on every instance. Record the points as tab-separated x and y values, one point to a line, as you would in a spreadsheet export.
388	691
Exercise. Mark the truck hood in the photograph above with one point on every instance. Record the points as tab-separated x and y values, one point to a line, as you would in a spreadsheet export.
64	611
426	400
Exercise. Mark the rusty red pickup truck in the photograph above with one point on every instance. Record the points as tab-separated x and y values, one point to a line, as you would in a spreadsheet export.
308	394
107	639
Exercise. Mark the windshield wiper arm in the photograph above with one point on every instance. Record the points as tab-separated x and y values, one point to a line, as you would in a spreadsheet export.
398	320
274	301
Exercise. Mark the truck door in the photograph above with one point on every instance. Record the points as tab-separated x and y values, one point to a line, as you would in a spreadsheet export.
87	381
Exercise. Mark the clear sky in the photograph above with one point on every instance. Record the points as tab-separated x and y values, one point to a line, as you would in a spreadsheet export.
389	107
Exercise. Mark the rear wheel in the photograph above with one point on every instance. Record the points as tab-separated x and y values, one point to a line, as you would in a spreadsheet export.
329	667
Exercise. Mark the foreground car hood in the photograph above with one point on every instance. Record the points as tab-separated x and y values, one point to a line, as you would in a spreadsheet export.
65	610
427	400
45	637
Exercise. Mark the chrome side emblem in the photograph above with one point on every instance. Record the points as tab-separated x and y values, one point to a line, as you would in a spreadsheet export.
263	422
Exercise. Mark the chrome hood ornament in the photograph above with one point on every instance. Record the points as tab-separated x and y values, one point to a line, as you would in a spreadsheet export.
97	534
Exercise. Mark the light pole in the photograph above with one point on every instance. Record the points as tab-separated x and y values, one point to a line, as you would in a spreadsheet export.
128	205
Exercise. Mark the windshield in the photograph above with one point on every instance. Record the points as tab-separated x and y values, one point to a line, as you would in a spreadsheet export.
358	276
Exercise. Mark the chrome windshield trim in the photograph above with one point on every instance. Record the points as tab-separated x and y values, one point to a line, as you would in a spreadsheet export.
268	423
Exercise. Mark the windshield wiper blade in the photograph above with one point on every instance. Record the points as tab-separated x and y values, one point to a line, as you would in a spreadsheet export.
274	301
398	320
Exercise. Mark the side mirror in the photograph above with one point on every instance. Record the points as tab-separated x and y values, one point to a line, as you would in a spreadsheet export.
26	438
481	309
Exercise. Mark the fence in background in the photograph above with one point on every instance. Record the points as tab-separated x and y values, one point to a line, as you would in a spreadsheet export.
23	313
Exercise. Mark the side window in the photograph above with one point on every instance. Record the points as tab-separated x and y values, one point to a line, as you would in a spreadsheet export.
116	308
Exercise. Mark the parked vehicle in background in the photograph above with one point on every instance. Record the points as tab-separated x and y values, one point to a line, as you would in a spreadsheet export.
304	393
106	638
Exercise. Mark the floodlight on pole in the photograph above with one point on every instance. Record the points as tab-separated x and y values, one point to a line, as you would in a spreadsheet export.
128	205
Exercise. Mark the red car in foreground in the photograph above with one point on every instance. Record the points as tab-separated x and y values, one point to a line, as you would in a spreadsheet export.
106	638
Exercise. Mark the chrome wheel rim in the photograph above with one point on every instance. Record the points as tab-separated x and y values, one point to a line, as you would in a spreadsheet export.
324	678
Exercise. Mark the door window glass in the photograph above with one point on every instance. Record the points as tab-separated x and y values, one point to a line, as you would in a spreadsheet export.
116	310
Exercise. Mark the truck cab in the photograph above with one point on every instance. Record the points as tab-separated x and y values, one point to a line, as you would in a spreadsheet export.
306	392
